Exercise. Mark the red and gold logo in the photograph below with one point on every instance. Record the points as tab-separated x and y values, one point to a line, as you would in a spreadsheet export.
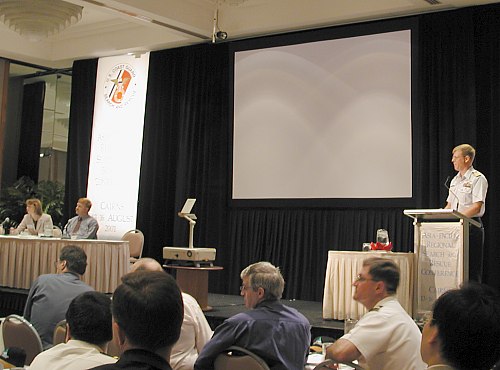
119	86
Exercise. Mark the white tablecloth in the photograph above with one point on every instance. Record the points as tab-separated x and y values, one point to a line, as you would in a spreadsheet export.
23	259
341	270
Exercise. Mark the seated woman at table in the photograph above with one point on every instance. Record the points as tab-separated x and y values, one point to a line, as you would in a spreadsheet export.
34	221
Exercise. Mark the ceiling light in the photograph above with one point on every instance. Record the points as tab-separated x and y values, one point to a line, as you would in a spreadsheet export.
38	19
221	35
217	33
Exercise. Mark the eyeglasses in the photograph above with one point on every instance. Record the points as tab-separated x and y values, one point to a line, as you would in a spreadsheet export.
360	278
243	288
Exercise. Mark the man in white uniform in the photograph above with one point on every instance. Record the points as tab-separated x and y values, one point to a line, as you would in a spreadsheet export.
386	337
88	325
467	195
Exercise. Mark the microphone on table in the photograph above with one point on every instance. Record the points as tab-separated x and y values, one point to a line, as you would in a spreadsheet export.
5	225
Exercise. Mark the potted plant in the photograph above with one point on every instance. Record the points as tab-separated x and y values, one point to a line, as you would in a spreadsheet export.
13	198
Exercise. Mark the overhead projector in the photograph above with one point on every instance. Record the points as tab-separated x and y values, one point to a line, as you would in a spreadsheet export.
189	256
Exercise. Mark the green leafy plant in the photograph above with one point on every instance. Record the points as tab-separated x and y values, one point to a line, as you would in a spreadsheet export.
13	198
51	194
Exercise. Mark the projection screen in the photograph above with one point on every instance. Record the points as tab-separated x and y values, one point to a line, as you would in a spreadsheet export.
325	119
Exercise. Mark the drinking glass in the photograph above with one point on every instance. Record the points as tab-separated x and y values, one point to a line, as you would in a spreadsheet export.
349	324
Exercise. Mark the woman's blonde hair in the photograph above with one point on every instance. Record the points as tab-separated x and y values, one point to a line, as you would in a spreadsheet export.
38	205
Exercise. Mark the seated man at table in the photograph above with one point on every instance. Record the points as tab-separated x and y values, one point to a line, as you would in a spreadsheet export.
147	317
82	226
386	337
51	294
88	331
463	331
277	333
195	331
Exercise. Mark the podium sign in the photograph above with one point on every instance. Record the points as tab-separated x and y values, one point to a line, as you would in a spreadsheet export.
442	252
440	265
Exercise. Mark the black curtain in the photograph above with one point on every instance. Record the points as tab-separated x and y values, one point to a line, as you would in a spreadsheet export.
31	130
459	91
185	148
80	133
186	153
487	67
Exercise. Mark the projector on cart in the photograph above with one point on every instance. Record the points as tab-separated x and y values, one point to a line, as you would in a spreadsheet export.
189	256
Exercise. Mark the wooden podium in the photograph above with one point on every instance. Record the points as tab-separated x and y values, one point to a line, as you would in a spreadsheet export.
441	246
194	281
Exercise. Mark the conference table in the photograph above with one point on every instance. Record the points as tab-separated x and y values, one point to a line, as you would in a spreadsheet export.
342	269
24	258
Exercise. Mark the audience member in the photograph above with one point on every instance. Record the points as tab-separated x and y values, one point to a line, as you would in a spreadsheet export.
464	330
82	226
386	337
195	331
147	318
277	333
50	295
34	221
88	325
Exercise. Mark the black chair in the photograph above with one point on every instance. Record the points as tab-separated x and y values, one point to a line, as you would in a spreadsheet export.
59	333
18	332
324	365
238	358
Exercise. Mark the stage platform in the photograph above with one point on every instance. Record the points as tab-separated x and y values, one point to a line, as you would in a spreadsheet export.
223	306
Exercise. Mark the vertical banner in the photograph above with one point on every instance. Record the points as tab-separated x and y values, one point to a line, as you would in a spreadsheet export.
440	262
115	155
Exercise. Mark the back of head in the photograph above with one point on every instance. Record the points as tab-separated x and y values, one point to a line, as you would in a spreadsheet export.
89	318
267	276
146	264
148	308
468	321
383	269
75	257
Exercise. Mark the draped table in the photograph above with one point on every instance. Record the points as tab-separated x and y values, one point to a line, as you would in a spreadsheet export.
23	259
341	270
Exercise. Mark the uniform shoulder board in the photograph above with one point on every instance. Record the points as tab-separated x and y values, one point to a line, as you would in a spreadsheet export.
477	173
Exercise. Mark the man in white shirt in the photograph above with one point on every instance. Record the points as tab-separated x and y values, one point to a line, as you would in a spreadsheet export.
88	330
467	195
386	337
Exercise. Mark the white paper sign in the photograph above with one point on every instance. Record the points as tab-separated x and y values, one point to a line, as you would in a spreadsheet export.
440	265
117	133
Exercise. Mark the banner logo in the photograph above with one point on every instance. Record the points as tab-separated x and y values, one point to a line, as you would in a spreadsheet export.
119	86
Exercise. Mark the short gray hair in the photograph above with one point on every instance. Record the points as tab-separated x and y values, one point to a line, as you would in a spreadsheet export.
266	276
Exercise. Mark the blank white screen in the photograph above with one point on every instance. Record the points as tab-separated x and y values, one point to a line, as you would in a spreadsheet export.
327	119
